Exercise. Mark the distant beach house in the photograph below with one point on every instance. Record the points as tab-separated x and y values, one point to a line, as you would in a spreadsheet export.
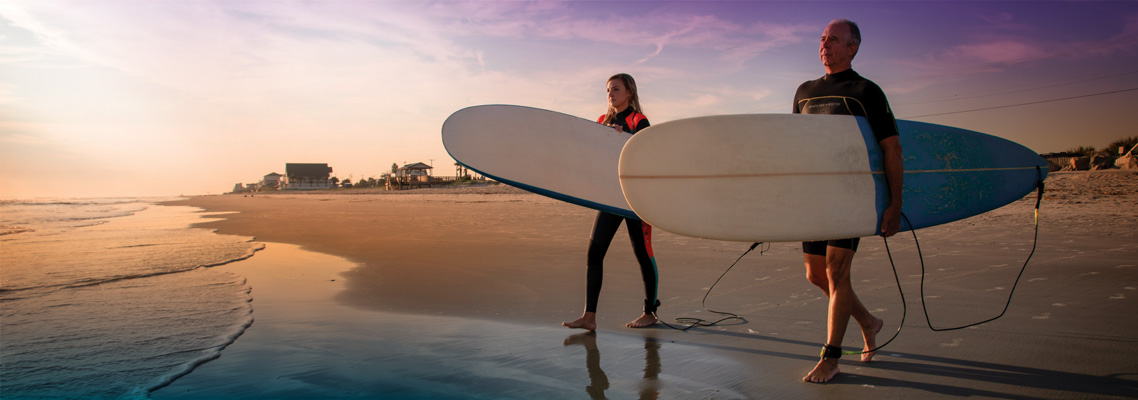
410	176
415	172
307	177
272	181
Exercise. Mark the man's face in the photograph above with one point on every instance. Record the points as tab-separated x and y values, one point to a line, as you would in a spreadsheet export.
834	49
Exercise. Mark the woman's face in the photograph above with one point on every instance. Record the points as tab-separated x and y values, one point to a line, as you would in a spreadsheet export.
618	95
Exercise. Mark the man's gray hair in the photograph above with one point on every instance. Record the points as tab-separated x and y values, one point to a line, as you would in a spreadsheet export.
855	32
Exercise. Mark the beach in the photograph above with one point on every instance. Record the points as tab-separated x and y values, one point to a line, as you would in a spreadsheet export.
460	292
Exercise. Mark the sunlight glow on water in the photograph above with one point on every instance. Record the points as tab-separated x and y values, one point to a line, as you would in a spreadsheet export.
108	298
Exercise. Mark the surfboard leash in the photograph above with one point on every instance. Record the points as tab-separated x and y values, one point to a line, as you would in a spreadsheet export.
904	305
693	322
1035	242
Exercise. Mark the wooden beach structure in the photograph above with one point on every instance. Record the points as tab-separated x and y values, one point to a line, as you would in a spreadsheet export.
418	175
411	176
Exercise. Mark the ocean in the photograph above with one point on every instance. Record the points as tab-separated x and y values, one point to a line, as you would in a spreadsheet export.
112	298
118	299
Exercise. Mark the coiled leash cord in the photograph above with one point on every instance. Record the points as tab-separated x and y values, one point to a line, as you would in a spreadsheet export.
693	322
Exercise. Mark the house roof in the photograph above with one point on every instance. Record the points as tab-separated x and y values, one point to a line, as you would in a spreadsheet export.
308	170
417	165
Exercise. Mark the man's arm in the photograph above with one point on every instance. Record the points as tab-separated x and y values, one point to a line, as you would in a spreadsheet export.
894	178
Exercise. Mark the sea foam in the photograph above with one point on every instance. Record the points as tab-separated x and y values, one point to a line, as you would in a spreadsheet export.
112	298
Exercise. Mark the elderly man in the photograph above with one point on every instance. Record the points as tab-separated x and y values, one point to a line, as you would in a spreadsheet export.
843	91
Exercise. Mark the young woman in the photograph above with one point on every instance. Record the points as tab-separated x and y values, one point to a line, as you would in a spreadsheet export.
624	115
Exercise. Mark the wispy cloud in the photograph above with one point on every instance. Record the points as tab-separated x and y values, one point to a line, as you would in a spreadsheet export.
245	81
653	30
998	52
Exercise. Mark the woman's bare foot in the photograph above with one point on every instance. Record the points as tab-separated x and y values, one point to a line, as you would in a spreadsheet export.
587	321
870	338
823	372
644	321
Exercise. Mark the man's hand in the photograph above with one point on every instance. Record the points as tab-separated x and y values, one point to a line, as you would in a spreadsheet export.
894	176
890	221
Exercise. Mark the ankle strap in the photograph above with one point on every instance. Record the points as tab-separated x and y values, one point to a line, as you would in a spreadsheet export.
650	306
829	352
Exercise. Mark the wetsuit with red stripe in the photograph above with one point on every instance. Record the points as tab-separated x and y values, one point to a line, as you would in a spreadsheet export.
605	227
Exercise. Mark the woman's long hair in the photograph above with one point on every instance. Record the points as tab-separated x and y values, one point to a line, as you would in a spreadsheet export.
633	97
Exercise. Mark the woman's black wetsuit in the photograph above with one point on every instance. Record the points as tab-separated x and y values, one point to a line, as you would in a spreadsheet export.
604	229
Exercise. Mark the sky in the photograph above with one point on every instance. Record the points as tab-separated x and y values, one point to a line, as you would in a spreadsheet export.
188	97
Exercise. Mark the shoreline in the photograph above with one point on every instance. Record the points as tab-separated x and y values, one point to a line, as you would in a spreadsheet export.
304	344
518	258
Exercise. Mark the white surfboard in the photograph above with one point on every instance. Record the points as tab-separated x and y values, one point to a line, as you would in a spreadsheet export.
546	152
793	177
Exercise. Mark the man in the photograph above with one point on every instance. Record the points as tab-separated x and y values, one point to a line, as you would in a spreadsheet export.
843	91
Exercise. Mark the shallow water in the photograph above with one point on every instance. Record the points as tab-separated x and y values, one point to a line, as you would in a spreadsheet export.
305	345
111	298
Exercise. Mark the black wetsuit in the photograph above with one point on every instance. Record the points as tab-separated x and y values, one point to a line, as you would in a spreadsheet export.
845	93
604	229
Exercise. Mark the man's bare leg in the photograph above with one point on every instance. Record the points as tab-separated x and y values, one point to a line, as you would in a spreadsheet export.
587	321
842	303
869	324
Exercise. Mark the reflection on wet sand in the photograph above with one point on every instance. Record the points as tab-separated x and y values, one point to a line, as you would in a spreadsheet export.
599	381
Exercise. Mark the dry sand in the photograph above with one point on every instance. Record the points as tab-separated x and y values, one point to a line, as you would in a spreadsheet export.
510	265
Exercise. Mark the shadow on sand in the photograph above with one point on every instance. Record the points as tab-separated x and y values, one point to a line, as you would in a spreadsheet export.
1081	385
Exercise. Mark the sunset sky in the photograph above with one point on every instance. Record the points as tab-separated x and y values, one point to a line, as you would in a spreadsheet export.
141	98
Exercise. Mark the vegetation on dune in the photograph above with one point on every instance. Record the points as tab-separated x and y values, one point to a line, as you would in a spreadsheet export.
1110	149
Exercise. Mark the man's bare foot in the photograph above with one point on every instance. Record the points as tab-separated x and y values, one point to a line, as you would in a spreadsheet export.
823	372
587	321
644	321
871	340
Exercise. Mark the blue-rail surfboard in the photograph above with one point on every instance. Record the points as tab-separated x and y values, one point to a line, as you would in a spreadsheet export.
794	177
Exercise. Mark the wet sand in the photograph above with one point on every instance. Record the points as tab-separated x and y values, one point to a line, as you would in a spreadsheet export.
464	270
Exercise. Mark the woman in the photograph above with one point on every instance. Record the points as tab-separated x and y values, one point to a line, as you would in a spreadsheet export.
624	115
